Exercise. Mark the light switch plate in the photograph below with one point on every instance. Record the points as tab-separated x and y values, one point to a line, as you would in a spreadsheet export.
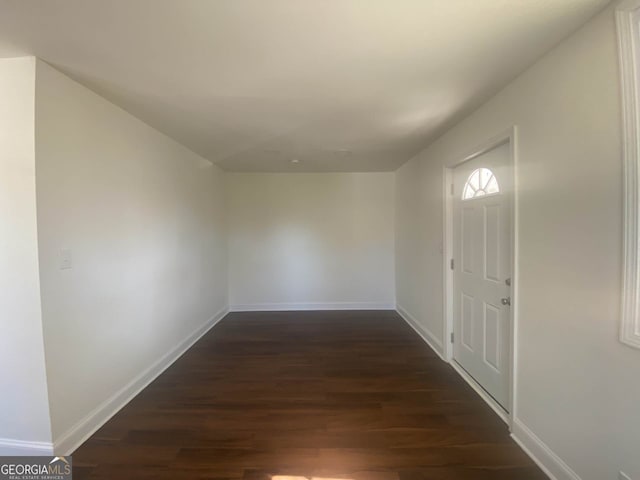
65	259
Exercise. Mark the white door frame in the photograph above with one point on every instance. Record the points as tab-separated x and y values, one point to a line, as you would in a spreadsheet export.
508	136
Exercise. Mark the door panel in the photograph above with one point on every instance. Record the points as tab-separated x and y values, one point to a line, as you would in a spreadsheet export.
482	241
467	321
492	242
492	336
468	243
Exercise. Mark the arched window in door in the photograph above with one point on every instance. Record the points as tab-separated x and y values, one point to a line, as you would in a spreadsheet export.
481	182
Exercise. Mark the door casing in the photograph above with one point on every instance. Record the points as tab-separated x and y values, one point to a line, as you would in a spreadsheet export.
508	136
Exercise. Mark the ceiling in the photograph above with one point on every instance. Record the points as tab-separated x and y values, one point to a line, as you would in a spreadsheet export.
339	85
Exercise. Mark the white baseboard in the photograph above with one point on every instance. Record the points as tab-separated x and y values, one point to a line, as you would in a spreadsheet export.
9	447
428	337
282	307
87	426
545	458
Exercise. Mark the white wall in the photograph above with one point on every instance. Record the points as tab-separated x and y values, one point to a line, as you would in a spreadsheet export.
144	220
311	240
24	411
578	387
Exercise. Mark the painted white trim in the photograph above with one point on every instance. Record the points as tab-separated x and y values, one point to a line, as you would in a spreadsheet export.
283	307
447	273
628	5
10	447
545	458
510	135
515	279
87	426
627	17
495	406
427	336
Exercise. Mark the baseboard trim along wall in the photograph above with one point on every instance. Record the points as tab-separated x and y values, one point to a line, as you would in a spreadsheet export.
9	447
76	435
432	341
283	307
545	458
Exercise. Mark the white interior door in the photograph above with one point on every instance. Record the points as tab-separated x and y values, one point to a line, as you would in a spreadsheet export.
482	205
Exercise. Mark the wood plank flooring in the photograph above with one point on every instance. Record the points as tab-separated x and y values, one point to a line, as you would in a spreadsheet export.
348	395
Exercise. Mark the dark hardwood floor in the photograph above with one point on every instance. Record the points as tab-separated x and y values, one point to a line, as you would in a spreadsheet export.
349	395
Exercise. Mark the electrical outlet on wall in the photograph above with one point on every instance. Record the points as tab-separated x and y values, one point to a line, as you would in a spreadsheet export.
623	476
65	259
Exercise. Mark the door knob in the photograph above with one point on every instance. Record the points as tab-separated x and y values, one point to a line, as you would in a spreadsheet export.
506	301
